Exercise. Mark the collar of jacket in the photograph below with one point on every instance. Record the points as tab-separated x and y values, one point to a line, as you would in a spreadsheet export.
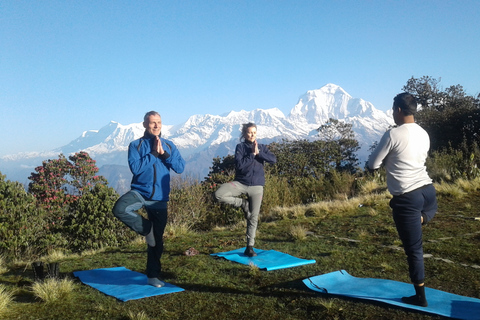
147	135
248	143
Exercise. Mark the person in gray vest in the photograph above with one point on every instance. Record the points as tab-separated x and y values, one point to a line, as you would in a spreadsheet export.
150	159
403	151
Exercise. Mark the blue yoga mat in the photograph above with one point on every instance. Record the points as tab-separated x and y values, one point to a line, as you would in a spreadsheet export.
389	291
268	260
122	283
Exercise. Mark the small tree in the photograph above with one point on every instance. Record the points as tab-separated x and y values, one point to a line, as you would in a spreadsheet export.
79	202
25	232
83	172
296	159
450	117
59	182
91	224
222	170
49	183
340	147
334	150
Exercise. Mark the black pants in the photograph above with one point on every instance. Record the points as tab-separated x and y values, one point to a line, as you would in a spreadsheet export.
408	209
125	210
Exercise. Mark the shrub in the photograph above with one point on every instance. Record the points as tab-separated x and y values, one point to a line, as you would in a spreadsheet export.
277	192
78	202
25	228
91	223
183	208
451	164
221	172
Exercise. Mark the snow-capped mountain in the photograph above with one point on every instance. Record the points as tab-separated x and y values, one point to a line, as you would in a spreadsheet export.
204	137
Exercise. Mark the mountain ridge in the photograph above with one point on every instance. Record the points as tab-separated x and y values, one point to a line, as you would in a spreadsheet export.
204	137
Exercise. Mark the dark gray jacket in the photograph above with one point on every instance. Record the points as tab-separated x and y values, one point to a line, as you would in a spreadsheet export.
248	167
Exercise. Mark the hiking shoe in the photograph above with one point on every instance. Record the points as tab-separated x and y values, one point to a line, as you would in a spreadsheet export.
415	300
246	208
249	252
155	282
150	238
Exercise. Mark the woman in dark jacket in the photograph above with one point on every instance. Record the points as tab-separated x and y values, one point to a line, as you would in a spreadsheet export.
249	179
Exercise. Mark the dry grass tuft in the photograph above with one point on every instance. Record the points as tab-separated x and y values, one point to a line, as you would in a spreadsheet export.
137	316
3	265
173	231
386	266
369	186
6	297
138	241
450	190
56	255
253	270
340	207
298	233
468	185
52	289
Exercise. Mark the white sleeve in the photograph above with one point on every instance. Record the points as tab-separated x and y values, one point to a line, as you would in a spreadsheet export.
381	151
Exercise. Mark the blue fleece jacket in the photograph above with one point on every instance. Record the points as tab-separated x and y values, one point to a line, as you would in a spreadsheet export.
248	167
151	171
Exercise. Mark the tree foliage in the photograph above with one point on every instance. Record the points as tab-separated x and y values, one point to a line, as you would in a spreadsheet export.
60	182
450	116
341	145
335	150
49	181
305	171
222	170
25	228
67	206
91	224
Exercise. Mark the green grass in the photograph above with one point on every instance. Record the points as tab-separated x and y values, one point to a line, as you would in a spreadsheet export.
359	238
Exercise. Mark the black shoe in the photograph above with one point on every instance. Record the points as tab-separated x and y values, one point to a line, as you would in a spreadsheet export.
53	270
416	300
38	270
249	252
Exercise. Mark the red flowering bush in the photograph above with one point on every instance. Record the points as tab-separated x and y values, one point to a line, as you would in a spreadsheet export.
67	206
25	229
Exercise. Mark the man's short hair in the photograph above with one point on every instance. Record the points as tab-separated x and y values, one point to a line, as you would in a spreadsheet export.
406	102
150	113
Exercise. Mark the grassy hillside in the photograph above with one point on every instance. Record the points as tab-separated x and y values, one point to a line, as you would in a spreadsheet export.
357	235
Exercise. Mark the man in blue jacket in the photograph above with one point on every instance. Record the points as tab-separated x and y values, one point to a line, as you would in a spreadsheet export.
150	159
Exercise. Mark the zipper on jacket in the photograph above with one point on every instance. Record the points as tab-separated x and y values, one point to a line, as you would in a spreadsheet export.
154	179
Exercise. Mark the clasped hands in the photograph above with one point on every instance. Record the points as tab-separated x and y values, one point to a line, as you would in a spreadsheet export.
255	150
157	145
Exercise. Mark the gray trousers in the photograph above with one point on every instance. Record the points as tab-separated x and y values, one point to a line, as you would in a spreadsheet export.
125	210
229	193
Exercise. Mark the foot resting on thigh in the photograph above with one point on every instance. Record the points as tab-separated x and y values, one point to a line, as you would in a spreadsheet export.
246	208
150	238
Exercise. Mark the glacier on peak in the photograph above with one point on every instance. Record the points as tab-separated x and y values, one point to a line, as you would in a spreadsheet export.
204	137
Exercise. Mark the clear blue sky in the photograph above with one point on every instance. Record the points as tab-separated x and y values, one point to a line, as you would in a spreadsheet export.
71	66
